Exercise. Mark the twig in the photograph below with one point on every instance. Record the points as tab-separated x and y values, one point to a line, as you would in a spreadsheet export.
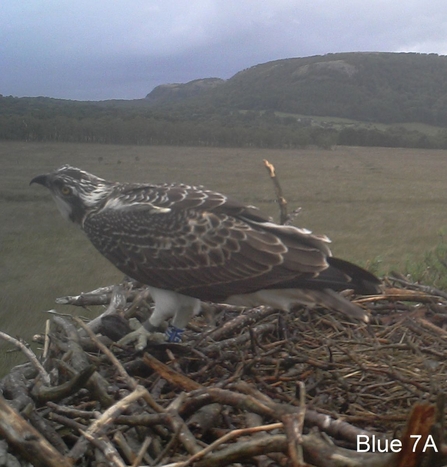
142	451
106	447
228	437
46	345
187	384
29	354
424	288
99	296
293	424
117	302
44	394
129	380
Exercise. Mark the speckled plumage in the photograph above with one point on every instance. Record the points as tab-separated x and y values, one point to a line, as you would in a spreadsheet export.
201	244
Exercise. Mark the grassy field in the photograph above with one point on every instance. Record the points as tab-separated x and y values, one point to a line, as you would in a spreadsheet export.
375	204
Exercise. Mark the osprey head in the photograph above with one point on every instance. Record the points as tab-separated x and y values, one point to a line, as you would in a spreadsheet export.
75	191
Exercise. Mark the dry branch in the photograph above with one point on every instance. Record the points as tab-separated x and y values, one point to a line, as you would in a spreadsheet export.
282	202
27	440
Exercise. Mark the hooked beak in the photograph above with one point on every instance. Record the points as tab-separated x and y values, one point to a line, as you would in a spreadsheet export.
40	179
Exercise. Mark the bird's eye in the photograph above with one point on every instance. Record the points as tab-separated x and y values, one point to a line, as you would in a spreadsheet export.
65	190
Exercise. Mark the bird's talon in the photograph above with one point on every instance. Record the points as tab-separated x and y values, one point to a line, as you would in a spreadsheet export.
134	324
141	337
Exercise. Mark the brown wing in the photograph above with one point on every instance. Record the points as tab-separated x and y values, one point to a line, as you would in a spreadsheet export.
180	197
201	244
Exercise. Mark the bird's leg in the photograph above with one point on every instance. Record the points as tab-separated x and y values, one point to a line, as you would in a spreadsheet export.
159	327
179	323
182	316
168	305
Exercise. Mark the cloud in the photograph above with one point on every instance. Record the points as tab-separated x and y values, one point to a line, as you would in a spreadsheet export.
122	49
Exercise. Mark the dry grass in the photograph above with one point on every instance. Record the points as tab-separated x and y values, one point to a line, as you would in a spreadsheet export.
373	203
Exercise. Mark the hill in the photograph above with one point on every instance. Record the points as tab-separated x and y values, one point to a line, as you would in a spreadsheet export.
178	91
361	99
372	87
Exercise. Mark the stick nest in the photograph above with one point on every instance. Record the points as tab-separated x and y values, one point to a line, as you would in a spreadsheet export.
250	386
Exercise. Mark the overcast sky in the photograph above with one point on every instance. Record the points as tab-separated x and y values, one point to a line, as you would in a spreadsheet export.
122	49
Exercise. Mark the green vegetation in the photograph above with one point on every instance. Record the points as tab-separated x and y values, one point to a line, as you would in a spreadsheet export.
432	270
349	99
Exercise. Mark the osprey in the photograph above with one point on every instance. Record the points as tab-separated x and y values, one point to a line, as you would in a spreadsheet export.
190	244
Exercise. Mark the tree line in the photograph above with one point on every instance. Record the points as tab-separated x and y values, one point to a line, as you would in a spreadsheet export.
225	132
134	122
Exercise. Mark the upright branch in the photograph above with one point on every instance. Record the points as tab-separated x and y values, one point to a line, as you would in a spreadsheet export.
282	202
